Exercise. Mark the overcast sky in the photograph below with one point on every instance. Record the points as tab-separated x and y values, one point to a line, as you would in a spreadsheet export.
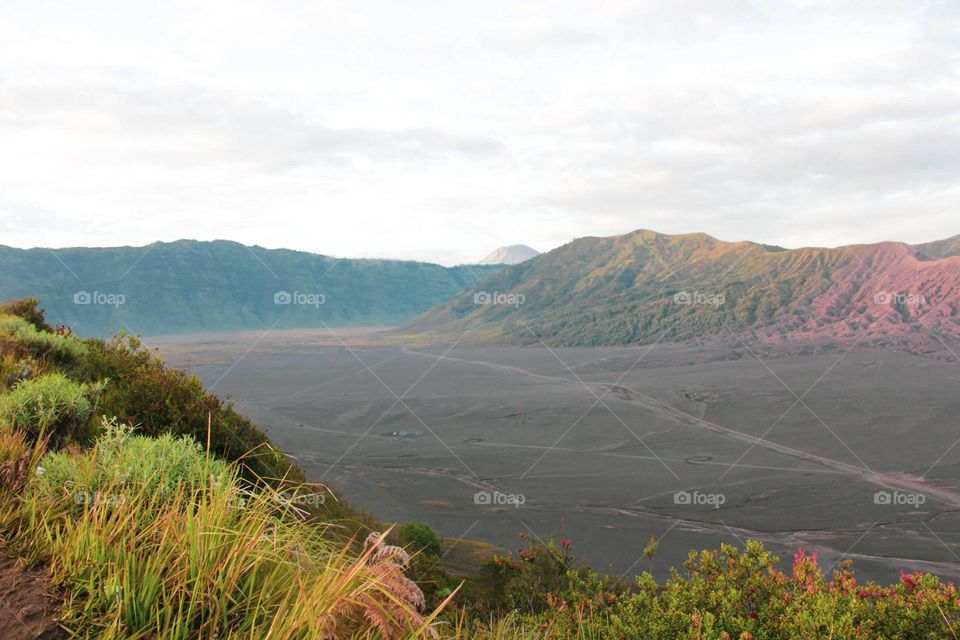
441	130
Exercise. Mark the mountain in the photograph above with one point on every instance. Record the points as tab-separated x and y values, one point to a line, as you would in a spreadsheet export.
191	286
645	287
940	248
514	254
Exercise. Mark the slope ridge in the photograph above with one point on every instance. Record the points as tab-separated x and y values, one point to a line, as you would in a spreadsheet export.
194	286
644	287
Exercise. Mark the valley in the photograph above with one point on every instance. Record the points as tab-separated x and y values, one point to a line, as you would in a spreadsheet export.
851	452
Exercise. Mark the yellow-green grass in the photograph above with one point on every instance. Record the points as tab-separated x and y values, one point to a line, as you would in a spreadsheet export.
185	552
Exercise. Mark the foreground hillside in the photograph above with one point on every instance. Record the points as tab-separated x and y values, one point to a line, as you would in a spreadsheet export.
644	287
190	286
169	529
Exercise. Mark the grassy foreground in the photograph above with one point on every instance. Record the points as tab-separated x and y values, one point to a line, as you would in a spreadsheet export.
161	513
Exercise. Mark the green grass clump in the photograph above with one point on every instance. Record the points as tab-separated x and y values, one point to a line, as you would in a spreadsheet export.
50	406
161	467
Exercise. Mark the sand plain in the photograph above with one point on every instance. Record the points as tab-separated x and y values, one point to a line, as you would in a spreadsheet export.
853	454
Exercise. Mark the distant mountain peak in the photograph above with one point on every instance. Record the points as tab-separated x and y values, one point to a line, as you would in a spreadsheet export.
513	254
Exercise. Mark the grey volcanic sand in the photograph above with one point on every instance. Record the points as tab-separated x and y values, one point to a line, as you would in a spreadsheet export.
599	441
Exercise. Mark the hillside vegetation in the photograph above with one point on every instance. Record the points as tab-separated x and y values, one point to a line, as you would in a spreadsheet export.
191	286
645	287
940	248
128	485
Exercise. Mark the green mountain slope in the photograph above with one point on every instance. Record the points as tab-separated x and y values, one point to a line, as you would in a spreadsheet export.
940	248
190	286
644	287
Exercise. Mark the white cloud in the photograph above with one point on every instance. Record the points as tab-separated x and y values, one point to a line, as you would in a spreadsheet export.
440	131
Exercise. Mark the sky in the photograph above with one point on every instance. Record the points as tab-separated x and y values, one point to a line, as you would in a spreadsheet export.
440	131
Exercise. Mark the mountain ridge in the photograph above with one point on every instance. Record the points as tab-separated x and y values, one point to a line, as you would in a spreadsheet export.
188	286
621	290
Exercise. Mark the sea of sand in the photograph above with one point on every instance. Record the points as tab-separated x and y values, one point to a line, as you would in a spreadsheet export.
851	454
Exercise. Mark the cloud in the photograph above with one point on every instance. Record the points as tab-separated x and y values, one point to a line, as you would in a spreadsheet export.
443	131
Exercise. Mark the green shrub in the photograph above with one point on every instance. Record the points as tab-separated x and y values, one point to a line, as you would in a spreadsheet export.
61	348
144	392
535	577
51	406
419	538
12	325
734	594
28	309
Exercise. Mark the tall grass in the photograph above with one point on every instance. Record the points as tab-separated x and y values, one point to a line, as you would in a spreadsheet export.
183	551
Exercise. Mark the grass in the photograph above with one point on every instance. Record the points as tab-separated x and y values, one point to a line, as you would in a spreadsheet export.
180	549
160	467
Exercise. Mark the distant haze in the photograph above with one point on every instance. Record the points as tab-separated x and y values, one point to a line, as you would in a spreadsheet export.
437	131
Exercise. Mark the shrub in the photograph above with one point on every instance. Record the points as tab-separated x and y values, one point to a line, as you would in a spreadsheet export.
144	392
733	594
51	406
13	369
534	578
59	348
28	309
419	538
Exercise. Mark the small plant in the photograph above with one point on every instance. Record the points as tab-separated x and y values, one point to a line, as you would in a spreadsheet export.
48	407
